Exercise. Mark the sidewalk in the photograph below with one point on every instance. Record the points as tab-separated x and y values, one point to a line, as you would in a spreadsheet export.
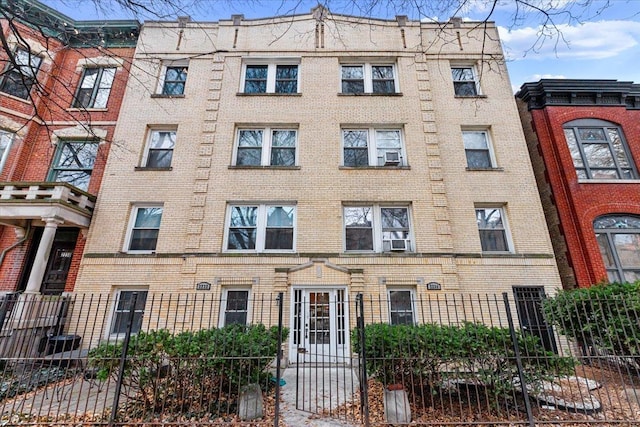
322	396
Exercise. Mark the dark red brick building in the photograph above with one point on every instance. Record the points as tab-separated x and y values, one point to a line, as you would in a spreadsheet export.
584	141
61	85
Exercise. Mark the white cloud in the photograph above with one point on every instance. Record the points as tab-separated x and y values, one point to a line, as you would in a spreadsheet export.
536	77
510	6
591	40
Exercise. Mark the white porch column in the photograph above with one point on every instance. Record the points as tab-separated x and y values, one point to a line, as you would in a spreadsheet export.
42	256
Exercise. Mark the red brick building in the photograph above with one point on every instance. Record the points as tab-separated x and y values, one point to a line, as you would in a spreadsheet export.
584	142
61	85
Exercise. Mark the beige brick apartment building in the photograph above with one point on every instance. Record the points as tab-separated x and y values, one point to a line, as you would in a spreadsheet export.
320	156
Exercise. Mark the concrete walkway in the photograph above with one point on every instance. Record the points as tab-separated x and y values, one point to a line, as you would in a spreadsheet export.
320	398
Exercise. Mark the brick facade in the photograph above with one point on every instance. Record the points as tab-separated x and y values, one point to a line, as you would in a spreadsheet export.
435	184
45	118
572	204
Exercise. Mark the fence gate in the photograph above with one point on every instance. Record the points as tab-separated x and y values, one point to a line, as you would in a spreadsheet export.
326	368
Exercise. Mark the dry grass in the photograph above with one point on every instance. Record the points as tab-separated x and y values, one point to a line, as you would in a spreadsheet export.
472	406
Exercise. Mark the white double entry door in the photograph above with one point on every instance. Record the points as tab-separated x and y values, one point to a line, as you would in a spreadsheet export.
319	325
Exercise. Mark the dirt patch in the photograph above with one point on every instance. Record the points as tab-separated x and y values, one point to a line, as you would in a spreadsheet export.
473	405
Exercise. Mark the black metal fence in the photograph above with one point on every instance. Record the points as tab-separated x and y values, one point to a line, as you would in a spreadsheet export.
138	358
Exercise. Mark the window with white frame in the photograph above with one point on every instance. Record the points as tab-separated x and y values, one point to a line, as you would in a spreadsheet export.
234	307
126	301
477	147
599	150
492	228
160	147
368	78
73	163
260	228
377	228
94	88
372	147
20	75
266	147
270	77
173	79
6	138
401	306
144	228
465	80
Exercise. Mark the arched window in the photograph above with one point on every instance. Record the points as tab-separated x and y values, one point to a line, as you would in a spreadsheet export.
619	241
599	150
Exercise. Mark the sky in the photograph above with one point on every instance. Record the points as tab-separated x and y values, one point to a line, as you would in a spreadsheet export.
596	39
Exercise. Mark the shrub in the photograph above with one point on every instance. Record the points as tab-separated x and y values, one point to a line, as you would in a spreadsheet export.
428	357
168	373
605	317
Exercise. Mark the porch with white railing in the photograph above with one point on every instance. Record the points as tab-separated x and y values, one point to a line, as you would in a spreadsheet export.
50	205
21	201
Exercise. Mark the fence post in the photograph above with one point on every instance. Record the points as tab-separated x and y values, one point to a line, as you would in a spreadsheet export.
516	349
123	358
364	386
276	417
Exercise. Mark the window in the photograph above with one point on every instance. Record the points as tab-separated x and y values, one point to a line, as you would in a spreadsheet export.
401	307
259	228
599	150
491	226
20	77
144	228
270	78
372	147
368	78
73	163
5	145
477	149
465	82
174	80
266	147
234	307
94	88
377	228
160	149
619	241
124	302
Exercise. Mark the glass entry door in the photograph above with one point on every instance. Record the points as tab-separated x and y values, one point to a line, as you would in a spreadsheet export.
319	326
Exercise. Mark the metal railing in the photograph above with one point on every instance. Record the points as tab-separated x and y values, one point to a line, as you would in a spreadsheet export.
138	358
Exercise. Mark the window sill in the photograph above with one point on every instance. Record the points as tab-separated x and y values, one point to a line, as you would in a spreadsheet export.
374	167
372	253
485	169
371	94
161	95
265	167
268	94
608	181
72	109
263	253
504	254
147	253
470	96
17	98
144	168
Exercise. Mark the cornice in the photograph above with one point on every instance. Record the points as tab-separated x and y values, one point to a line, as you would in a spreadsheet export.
51	23
578	92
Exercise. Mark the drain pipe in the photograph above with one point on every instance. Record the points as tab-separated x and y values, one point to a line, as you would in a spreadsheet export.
19	242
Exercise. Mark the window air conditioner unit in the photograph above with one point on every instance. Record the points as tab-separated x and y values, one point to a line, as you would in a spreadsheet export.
396	245
391	158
